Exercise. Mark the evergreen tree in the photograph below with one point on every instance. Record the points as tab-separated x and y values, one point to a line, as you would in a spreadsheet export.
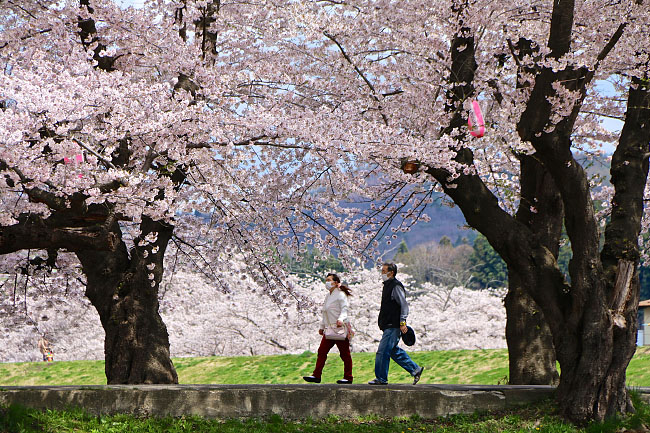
403	255
644	275
309	265
489	269
402	248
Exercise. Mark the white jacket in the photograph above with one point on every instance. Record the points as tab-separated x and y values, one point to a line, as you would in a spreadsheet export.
335	308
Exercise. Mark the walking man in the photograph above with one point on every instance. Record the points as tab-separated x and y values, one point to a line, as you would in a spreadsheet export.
392	321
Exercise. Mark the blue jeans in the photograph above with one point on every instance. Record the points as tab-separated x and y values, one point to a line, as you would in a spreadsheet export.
388	349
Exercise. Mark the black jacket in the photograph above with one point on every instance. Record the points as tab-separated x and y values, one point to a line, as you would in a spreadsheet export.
389	312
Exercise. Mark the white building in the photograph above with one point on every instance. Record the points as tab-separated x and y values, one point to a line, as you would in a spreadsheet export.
643	338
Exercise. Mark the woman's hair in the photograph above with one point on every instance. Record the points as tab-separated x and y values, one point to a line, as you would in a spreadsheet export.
344	289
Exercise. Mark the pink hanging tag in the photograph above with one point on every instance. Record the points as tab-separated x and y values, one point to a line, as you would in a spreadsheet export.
78	158
479	120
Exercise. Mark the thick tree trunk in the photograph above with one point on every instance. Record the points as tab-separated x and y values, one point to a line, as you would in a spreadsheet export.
598	338
593	371
126	297
531	356
137	343
532	359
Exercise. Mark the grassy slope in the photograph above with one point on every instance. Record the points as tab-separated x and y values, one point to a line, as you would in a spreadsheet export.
454	366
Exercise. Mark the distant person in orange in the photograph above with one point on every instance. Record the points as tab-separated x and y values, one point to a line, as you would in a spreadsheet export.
45	349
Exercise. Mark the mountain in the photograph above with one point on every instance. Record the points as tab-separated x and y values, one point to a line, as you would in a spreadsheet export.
444	221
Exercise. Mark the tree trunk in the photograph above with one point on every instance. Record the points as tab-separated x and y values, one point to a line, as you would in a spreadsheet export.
137	343
531	356
531	353
593	372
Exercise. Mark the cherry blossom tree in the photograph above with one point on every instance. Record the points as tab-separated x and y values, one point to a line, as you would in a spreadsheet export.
125	130
401	77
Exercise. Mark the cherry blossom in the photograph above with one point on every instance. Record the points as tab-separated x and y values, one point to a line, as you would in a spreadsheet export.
204	321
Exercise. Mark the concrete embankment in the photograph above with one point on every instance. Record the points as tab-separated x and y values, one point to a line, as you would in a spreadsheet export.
288	401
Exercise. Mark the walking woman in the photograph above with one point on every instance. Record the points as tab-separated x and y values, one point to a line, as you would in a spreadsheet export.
335	312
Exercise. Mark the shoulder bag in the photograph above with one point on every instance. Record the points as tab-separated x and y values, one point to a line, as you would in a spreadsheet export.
332	332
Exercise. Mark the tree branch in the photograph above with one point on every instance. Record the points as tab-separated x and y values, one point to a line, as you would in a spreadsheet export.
89	149
32	232
361	74
559	40
629	170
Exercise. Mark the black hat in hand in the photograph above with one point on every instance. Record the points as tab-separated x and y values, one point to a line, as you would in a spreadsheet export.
409	336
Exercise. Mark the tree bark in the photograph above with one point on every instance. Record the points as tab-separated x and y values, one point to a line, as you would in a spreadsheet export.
120	287
531	355
532	359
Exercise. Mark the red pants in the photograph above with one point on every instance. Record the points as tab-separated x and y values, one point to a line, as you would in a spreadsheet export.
344	349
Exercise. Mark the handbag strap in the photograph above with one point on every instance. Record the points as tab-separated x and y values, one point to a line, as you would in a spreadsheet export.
333	325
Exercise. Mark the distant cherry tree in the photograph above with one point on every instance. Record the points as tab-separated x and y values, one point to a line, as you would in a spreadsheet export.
204	321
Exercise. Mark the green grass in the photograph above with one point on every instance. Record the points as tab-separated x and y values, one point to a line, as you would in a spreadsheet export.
638	372
460	366
488	367
539	418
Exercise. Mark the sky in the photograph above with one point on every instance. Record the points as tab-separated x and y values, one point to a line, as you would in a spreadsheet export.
127	3
613	125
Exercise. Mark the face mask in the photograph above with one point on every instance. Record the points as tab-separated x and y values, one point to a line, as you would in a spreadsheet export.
329	285
385	277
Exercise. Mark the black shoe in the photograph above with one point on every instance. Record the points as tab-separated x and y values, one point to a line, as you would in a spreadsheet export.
377	382
313	379
416	376
344	382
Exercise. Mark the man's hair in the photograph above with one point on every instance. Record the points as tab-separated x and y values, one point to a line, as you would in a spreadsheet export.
391	267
